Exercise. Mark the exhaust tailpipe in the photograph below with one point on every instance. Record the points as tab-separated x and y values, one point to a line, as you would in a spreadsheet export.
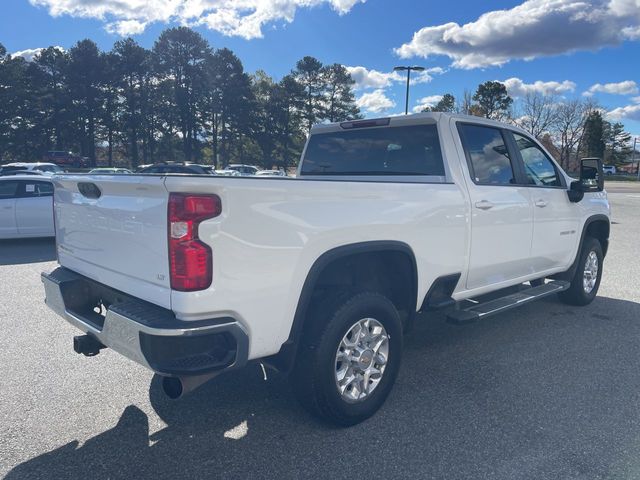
178	387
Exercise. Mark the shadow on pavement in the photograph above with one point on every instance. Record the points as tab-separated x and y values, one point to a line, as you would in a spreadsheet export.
27	250
547	391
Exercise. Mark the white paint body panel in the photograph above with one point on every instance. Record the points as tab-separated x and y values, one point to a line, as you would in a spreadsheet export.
25	217
119	239
34	216
272	230
8	227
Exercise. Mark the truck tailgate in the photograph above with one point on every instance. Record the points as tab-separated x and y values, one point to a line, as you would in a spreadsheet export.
113	229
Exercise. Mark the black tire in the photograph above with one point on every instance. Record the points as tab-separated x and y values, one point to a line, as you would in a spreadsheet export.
314	373
576	294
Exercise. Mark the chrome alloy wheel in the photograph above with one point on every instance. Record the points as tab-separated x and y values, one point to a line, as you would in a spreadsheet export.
361	359
590	275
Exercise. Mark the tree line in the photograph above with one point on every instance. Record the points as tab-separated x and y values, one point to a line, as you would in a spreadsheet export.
181	100
569	129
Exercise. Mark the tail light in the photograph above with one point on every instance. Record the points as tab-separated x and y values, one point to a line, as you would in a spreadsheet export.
55	230
190	260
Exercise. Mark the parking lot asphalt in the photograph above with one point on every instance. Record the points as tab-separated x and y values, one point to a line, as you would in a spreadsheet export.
547	391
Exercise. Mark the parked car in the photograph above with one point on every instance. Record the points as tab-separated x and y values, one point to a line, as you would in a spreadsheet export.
65	159
227	173
6	171
191	168
110	170
26	206
244	170
271	173
609	169
44	168
320	275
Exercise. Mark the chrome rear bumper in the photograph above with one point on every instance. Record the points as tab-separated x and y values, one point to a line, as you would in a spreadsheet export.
143	332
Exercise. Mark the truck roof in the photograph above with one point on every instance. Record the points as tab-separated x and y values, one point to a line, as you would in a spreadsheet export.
412	119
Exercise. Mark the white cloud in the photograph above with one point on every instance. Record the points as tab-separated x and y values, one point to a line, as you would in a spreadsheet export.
243	18
635	99
366	78
126	28
629	112
533	29
628	87
425	76
30	53
517	88
375	101
425	102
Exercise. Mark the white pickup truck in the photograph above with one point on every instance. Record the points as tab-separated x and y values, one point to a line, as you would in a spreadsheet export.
319	276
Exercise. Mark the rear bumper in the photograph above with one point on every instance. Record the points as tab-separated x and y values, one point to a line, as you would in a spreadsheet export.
143	332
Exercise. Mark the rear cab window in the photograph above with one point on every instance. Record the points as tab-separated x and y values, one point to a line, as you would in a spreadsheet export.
412	150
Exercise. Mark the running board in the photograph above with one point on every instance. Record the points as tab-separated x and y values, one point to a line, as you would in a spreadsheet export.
482	310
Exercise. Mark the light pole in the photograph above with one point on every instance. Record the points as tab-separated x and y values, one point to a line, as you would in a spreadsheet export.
633	157
408	69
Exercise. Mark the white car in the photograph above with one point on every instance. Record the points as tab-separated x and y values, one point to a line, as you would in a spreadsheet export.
609	169
110	171
245	170
271	173
42	167
26	207
227	173
320	275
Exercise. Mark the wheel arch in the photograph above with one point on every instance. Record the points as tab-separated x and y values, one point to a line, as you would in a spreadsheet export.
364	251
597	226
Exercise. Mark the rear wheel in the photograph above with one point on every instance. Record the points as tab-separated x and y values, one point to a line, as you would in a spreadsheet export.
586	280
349	358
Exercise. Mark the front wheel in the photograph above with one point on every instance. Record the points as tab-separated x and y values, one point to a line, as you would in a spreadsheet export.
349	358
586	280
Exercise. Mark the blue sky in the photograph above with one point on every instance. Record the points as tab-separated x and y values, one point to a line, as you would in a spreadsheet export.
567	46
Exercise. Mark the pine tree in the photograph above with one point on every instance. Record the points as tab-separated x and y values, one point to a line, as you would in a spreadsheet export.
493	100
340	101
309	74
593	137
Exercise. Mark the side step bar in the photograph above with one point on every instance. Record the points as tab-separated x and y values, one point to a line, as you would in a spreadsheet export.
482	310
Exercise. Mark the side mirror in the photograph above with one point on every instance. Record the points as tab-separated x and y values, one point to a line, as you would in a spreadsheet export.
591	175
575	192
591	179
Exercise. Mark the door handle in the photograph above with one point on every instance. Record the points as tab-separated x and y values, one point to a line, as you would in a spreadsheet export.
541	203
484	205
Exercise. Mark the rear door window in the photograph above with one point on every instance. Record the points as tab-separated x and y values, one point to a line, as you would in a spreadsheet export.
487	154
14	169
408	150
37	189
8	189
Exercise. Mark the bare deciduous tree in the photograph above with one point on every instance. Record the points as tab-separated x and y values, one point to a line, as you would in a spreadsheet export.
569	126
537	114
466	104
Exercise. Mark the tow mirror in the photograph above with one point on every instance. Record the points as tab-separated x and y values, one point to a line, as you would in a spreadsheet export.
591	175
591	179
575	191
